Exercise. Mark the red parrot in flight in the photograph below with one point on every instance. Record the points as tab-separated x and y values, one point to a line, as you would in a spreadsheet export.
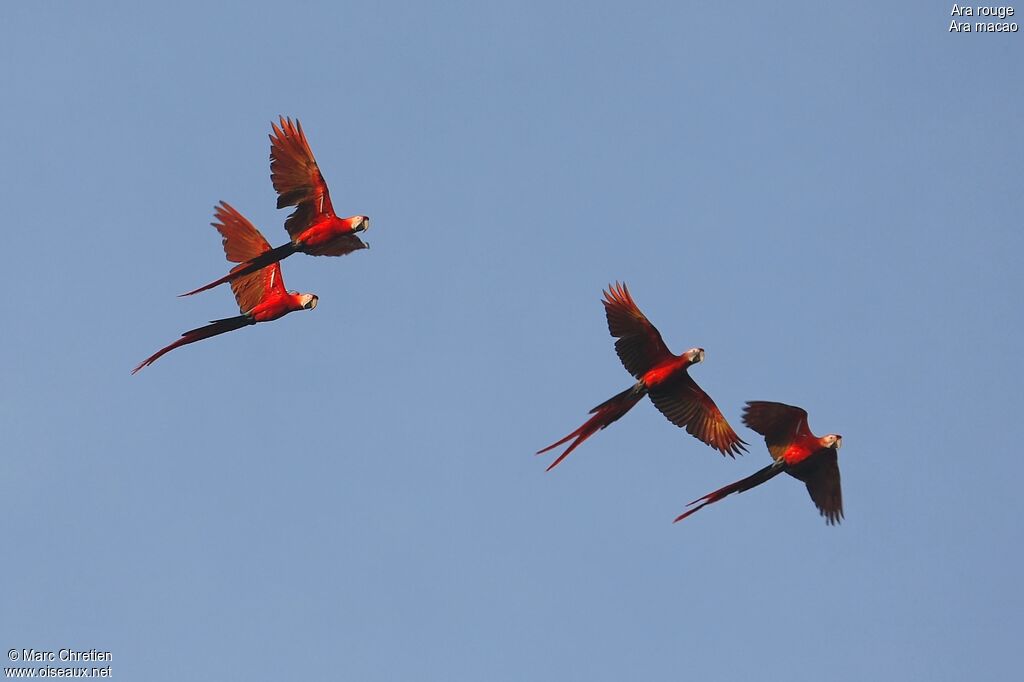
261	295
660	374
313	227
796	451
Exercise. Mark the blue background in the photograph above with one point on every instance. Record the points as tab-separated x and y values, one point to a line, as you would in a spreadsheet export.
826	198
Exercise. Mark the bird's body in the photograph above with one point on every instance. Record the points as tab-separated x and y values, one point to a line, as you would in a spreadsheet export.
261	295
275	307
332	236
313	227
666	371
795	451
660	374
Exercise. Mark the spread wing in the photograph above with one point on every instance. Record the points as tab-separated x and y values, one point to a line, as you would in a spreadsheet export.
639	344
341	245
780	424
297	178
686	405
243	242
823	485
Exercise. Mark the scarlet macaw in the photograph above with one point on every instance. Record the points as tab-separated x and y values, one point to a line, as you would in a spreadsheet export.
796	451
313	227
660	374
261	294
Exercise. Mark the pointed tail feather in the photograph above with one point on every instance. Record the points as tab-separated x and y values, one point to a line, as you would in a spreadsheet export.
604	414
242	269
215	327
769	472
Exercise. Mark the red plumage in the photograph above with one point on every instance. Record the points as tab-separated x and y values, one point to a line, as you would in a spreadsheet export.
660	374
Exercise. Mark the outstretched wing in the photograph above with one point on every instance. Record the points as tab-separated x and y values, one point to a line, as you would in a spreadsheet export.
297	178
780	424
639	344
823	485
242	243
686	405
341	245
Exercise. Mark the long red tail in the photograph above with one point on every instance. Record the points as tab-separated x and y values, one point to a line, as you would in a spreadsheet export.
769	472
242	269
216	327
604	414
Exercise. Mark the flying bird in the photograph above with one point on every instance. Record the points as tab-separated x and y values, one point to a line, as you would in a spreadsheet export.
261	295
661	375
313	227
796	451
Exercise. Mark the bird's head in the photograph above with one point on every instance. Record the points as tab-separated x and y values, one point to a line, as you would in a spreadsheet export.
308	301
695	355
360	223
832	440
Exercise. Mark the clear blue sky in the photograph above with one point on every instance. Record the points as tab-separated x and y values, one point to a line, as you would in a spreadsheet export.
825	198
